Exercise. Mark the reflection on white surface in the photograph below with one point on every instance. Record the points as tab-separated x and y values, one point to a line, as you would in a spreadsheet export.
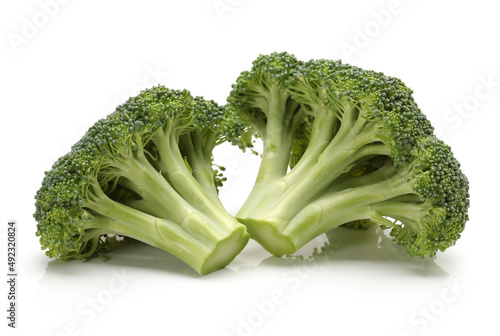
338	245
257	292
372	246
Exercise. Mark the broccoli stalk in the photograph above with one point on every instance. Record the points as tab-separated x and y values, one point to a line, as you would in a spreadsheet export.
328	121
272	115
144	172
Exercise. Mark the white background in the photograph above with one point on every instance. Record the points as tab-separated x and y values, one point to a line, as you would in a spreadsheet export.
65	64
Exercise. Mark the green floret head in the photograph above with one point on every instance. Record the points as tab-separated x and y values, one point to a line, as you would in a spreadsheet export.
442	186
383	106
229	124
266	71
59	212
133	123
209	116
155	107
254	92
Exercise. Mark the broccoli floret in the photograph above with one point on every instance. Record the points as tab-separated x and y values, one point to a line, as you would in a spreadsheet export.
144	172
343	145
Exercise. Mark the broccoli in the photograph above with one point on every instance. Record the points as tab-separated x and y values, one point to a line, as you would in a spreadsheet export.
144	172
344	146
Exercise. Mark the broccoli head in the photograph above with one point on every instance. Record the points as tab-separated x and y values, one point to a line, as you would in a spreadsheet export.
345	146
144	172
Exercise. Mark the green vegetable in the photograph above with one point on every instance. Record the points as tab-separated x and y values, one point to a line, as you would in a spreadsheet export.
343	145
144	172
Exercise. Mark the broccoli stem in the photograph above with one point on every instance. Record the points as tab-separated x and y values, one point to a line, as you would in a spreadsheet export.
277	145
334	209
346	180
180	216
311	178
329	211
274	186
182	179
328	137
203	244
152	187
413	215
200	162
324	128
117	218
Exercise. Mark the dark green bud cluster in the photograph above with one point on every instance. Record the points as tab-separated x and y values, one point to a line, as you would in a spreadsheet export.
208	114
278	66
440	183
308	84
232	127
219	178
266	71
107	137
155	107
59	211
